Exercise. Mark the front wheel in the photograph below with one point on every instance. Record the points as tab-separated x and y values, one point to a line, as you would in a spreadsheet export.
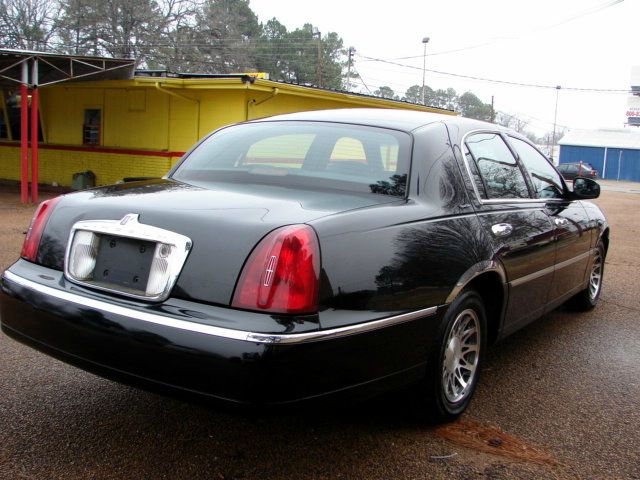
455	363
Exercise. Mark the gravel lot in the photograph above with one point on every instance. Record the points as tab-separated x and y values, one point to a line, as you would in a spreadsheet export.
559	399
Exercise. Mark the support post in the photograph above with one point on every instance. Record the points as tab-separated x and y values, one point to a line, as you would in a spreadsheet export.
34	132
34	145
24	134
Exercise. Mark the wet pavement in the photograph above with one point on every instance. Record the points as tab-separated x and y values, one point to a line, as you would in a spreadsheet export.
620	186
558	399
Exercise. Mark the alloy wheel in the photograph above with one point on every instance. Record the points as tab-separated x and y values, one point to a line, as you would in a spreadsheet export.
462	351
595	280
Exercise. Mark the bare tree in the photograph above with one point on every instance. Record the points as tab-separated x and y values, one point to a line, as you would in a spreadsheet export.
511	121
28	24
175	49
127	28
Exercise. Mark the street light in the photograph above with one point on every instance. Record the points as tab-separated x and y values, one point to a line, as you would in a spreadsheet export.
316	33
425	40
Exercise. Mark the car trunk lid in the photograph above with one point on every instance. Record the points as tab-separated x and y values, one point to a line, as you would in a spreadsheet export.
224	223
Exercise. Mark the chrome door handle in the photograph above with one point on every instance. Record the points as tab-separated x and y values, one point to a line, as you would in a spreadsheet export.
560	222
502	229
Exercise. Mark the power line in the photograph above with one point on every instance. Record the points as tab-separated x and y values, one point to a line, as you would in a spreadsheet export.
582	13
503	82
530	119
362	80
237	42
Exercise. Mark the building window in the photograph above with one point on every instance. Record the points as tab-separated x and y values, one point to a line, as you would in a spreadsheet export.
91	128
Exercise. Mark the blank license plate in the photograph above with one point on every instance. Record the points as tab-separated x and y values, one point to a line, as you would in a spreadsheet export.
123	262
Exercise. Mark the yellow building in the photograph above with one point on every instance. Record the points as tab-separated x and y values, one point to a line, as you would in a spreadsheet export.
140	126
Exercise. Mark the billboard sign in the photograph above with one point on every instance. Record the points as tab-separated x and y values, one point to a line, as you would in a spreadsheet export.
633	110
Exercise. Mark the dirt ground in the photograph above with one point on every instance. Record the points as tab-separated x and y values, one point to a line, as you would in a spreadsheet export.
559	399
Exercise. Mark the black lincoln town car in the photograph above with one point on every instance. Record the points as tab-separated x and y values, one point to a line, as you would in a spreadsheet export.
310	255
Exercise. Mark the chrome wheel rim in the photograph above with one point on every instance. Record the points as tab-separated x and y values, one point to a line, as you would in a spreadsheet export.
595	280
460	360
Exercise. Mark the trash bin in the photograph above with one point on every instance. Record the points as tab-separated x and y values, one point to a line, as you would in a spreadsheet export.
83	180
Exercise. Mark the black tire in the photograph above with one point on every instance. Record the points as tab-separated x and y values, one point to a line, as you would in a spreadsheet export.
438	399
588	298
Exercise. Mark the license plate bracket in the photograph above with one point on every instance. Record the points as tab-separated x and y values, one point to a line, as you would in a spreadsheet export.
123	262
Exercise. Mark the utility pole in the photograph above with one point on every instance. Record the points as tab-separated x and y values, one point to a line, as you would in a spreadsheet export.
351	51
319	65
555	118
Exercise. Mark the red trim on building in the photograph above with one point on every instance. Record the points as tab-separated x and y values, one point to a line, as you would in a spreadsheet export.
122	151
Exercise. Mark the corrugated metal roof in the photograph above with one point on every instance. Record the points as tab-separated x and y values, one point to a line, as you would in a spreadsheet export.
248	77
612	138
55	68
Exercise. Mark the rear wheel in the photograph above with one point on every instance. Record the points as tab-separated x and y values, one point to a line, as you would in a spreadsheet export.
588	298
454	366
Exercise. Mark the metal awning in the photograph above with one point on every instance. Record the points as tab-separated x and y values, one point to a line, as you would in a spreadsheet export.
29	70
54	68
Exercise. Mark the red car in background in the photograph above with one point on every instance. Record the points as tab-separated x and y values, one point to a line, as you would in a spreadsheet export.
572	170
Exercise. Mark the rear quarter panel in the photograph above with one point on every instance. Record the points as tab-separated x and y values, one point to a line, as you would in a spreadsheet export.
407	255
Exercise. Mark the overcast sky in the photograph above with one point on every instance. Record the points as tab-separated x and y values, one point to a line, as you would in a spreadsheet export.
571	43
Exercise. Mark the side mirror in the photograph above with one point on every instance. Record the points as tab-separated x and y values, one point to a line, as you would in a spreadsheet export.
585	188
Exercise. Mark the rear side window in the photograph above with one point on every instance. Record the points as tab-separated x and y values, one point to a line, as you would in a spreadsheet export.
498	174
303	155
546	181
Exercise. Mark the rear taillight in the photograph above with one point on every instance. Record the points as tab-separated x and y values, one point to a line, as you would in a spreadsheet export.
39	220
281	274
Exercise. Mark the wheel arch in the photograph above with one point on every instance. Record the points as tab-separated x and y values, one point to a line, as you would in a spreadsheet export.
604	237
489	280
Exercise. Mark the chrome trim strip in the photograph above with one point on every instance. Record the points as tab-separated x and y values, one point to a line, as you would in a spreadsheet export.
532	276
342	331
500	201
212	330
509	210
545	271
582	256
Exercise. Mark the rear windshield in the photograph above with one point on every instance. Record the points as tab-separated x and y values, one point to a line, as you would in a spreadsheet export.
303	154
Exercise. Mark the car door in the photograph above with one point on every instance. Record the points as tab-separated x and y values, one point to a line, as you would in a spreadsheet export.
519	225
571	223
570	171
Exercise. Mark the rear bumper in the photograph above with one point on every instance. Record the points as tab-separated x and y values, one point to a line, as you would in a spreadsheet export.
217	352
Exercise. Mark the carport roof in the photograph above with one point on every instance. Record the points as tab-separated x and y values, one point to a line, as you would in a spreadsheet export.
611	138
55	68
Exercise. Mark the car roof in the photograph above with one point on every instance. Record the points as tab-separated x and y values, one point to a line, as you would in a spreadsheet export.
406	120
